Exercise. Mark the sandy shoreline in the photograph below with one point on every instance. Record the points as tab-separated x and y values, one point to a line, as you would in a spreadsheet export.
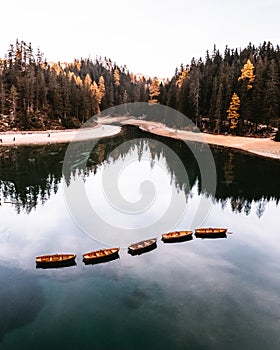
56	136
265	147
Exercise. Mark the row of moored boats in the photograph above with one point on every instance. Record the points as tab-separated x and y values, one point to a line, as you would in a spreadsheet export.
101	255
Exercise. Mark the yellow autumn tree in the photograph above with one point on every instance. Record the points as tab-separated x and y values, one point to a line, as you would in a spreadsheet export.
181	78
87	80
77	64
154	91
78	81
232	112
70	75
96	95
117	77
247	72
56	67
101	87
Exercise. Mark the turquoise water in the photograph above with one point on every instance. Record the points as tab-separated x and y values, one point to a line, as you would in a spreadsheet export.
199	294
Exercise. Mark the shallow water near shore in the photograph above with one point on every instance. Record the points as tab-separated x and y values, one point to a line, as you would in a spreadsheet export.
199	294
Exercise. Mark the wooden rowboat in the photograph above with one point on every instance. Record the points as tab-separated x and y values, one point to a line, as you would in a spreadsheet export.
101	255
211	232
177	236
142	247
55	260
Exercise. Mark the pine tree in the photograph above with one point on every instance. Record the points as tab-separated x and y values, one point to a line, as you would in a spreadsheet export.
143	90
125	97
172	94
258	94
182	99
194	91
111	99
219	108
2	96
272	95
162	95
14	96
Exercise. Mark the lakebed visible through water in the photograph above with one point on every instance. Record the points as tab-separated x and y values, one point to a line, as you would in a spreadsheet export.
199	294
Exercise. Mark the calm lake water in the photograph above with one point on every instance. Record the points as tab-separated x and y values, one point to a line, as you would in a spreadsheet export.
200	294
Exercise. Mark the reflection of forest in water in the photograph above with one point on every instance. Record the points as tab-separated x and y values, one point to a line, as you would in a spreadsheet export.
29	175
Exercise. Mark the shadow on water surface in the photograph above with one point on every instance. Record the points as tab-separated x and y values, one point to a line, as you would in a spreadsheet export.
21	299
178	240
212	236
59	265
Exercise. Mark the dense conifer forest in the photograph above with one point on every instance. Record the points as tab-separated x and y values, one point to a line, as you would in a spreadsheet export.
237	91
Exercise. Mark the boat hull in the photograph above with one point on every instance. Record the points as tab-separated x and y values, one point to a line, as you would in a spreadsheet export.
142	247
177	236
100	256
55	260
211	232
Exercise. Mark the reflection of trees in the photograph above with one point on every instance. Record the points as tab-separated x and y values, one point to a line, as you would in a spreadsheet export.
140	143
244	180
30	175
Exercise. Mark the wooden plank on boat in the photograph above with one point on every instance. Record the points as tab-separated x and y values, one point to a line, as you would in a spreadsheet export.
143	246
55	260
177	236
101	255
211	232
